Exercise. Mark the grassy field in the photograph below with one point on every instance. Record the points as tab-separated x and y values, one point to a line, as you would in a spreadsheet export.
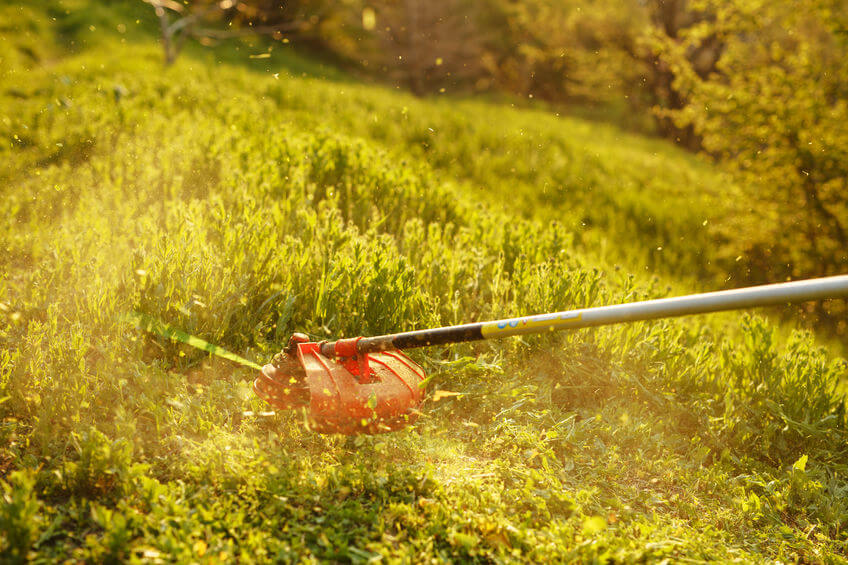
242	199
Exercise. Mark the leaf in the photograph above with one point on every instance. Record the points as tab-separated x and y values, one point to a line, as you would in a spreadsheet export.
465	540
593	525
199	548
359	555
800	464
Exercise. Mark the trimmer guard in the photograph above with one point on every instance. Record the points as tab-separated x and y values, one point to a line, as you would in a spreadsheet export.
337	398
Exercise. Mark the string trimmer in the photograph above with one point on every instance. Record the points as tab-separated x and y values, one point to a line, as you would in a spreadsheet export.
366	385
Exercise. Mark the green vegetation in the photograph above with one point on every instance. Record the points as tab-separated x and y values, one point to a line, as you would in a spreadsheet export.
760	87
242	199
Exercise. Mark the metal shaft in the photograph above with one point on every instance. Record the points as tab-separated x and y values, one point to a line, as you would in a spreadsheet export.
766	295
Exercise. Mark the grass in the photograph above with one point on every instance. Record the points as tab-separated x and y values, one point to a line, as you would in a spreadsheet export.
243	199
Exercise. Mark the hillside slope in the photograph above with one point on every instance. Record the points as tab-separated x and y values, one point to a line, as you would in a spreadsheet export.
243	199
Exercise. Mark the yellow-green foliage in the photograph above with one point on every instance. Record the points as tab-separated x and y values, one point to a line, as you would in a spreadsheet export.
242	200
775	111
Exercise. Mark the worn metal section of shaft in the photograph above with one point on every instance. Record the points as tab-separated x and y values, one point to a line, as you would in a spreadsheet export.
766	295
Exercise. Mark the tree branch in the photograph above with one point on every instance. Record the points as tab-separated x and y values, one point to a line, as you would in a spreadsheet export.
243	32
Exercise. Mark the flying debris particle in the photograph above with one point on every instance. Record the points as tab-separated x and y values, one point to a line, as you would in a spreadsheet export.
440	394
261	56
369	19
174	403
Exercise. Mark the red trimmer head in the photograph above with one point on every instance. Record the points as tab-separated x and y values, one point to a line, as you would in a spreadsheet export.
352	394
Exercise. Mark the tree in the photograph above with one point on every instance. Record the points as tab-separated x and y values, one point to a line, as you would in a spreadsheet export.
776	110
568	51
429	44
599	52
202	20
670	22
